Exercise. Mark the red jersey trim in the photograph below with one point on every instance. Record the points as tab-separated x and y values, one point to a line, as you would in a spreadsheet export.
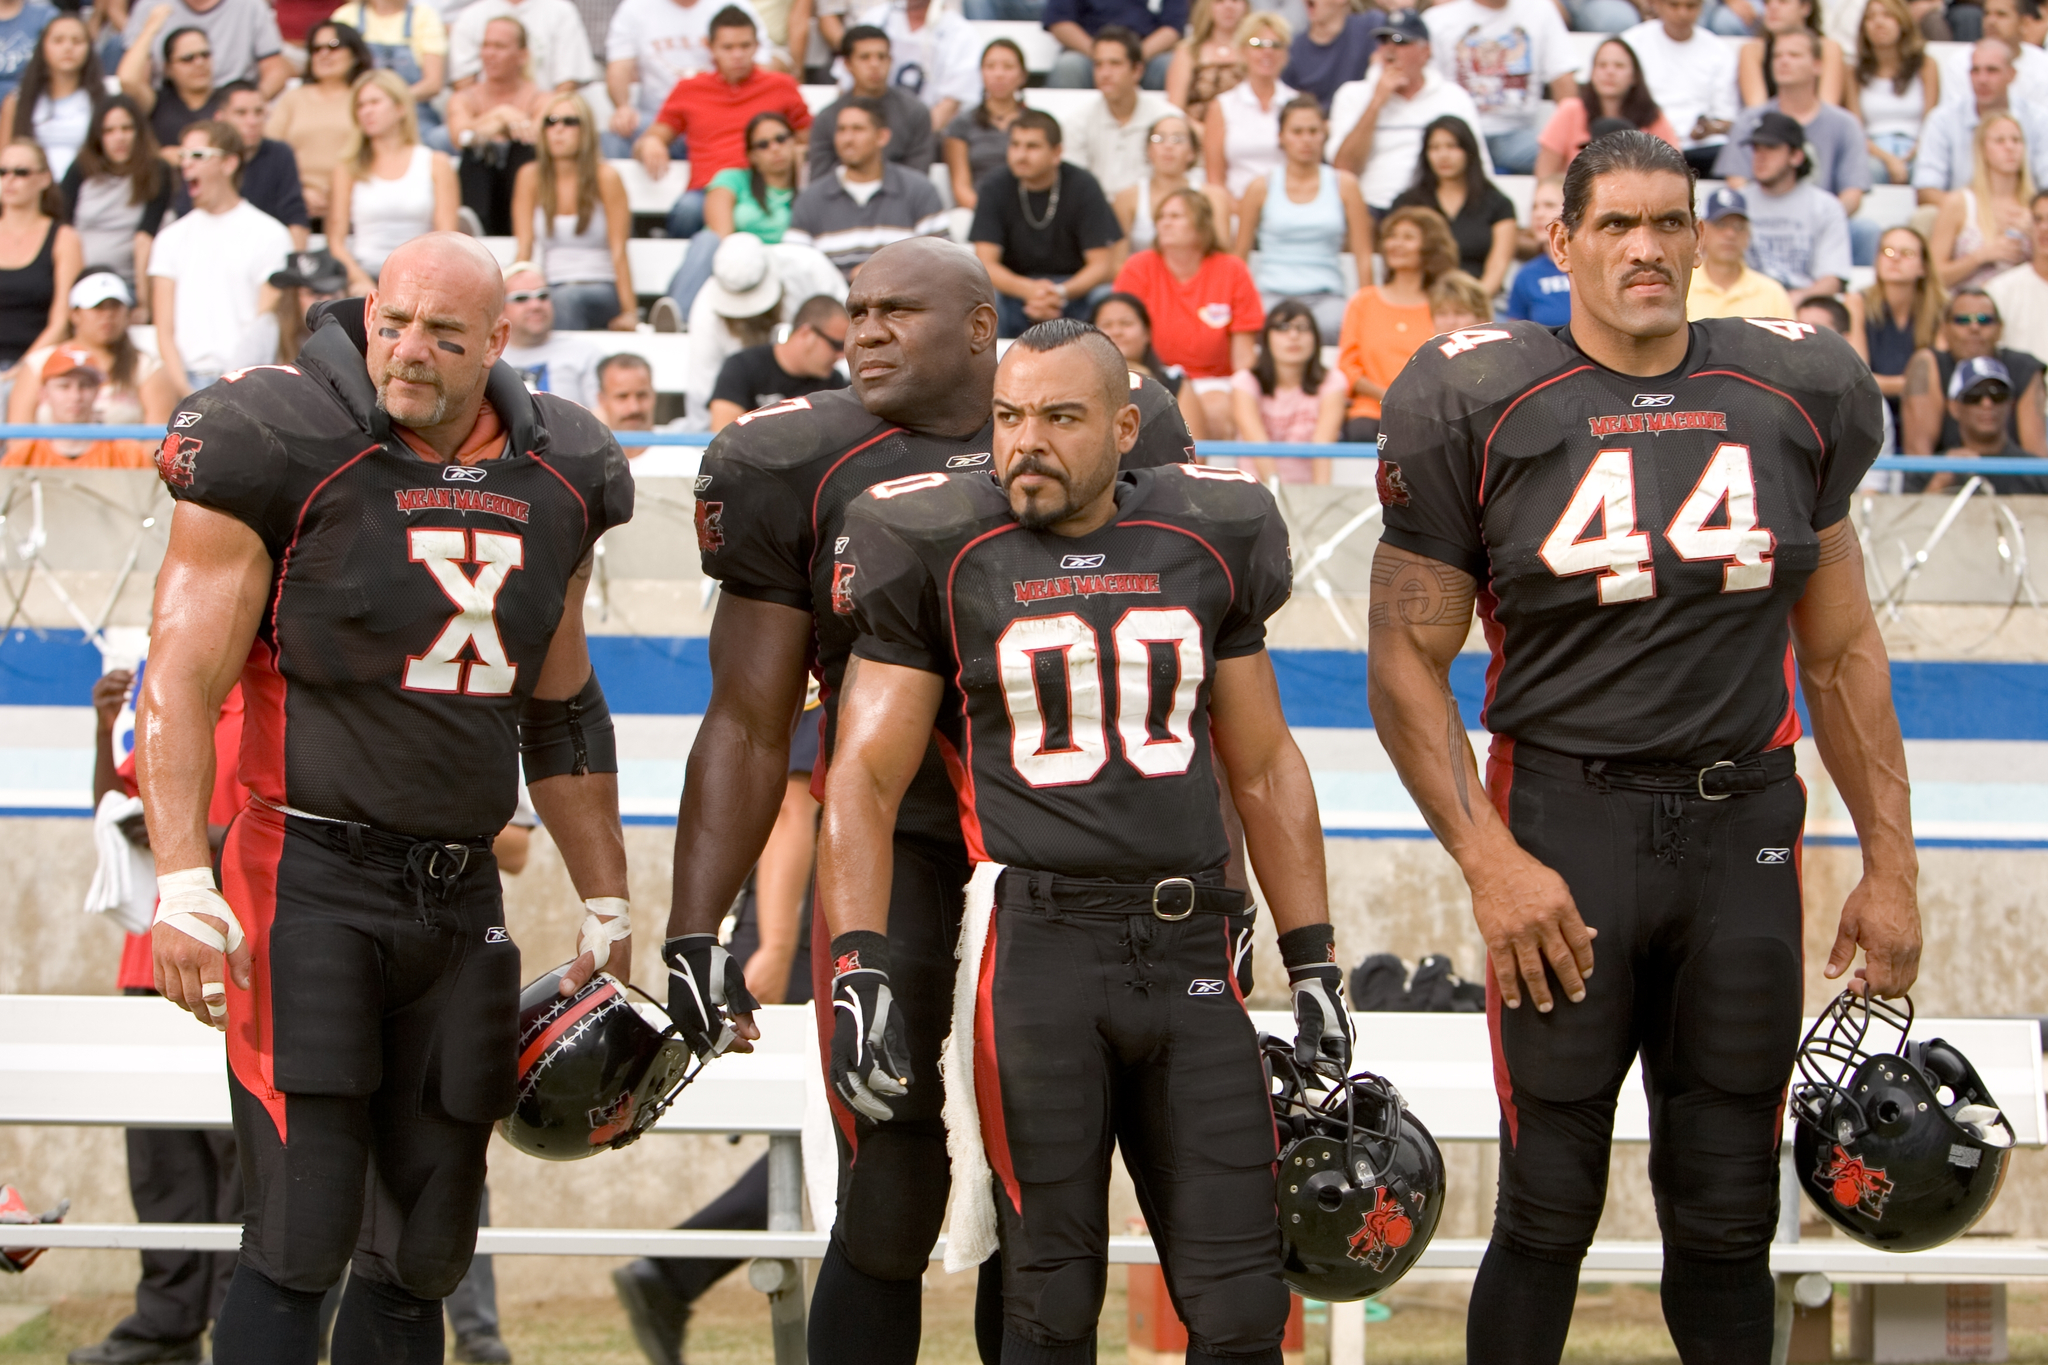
570	486
819	492
1751	379
1789	731
959	684
284	563
1486	451
963	792
1228	577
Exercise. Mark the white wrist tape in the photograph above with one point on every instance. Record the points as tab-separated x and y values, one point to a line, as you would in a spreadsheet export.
182	897
609	920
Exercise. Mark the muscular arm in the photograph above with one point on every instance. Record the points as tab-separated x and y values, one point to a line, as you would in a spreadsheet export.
209	599
1270	787
582	812
1420	614
740	762
1846	679
885	721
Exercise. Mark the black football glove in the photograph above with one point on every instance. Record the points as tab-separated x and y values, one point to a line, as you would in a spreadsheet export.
870	1051
705	985
1322	1026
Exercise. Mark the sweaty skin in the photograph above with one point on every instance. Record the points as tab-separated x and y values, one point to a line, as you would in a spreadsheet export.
920	346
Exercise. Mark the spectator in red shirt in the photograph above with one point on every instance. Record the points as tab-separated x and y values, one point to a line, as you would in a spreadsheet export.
1205	309
712	108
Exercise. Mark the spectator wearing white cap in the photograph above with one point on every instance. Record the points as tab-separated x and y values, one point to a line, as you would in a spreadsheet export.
71	381
549	362
1723	284
752	288
1376	124
135	387
1981	396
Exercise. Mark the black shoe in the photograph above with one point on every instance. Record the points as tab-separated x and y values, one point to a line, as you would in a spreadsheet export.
119	1350
656	1316
486	1348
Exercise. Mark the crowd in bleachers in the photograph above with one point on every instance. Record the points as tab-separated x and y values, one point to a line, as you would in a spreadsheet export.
1270	203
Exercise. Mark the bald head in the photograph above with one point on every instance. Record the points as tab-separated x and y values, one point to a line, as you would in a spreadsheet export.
435	325
921	339
454	260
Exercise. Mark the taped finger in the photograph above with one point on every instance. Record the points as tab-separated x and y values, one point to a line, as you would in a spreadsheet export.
215	994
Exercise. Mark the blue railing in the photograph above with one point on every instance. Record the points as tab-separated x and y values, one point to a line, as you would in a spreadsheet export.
1340	450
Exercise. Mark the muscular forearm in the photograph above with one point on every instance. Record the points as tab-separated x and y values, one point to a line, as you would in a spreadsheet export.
1284	838
731	793
174	762
582	817
855	852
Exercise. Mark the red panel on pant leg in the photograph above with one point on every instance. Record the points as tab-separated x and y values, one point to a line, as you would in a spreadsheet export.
1500	785
249	864
988	1079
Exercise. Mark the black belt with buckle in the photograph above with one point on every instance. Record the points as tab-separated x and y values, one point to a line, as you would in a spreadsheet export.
1713	782
1173	898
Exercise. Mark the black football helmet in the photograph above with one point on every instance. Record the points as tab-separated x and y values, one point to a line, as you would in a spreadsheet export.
593	1073
1361	1183
1902	1147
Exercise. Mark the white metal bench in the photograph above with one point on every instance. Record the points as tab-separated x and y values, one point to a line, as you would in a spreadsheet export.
140	1062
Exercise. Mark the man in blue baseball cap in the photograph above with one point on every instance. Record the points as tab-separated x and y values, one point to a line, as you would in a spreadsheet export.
1376	124
1980	399
1723	285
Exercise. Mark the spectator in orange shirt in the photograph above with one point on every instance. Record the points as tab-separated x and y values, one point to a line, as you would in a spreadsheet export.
712	108
1386	323
1205	308
71	385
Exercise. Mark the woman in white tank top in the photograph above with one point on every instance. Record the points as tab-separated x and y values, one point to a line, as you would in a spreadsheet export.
388	188
1889	50
1243	130
1174	154
570	217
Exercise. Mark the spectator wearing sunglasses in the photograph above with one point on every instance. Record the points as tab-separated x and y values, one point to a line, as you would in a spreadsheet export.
755	199
1974	330
549	361
571	207
804	361
183	95
243	36
1980	406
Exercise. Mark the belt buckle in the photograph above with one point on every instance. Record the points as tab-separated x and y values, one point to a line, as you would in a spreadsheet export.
457	854
1179	883
1699	781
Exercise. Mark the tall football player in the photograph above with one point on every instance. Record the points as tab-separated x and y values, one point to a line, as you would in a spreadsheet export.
921	346
388	543
1080	639
1653	518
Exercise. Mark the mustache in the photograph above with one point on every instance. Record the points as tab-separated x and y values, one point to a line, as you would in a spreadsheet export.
411	373
1648	271
1032	464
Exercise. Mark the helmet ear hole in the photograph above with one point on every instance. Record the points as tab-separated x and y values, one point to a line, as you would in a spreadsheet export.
1329	1197
1889	1111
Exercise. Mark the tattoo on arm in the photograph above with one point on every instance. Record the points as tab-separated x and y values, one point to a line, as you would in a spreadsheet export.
1837	543
1419	592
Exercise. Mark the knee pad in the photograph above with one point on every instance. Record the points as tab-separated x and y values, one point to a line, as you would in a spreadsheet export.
1059	1305
1241	1319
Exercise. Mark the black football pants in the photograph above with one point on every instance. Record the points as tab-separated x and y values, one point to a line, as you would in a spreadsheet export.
893	1177
376	1048
1125	1030
1697	969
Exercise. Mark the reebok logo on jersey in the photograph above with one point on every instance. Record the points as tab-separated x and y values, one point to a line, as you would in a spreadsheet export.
460	500
463	473
1203	985
1085	585
1393	489
177	459
1772	856
710	525
185	419
967	461
497	933
842	589
1082	562
1657	423
1655	400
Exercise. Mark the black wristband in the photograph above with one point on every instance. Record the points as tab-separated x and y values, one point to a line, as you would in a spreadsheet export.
569	738
1312	945
860	950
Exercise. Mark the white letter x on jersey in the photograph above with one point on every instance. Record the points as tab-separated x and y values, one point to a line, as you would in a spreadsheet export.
444	553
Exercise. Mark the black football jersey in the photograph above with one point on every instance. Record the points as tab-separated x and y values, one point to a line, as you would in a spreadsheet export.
1639	543
771	496
413	602
1075	723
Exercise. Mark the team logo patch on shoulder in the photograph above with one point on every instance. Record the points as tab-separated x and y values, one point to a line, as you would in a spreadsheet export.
710	526
1393	488
968	461
842	588
1853	1184
177	459
183	420
463	473
1385	1229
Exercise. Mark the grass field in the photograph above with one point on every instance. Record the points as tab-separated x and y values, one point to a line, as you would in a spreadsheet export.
1613	1325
